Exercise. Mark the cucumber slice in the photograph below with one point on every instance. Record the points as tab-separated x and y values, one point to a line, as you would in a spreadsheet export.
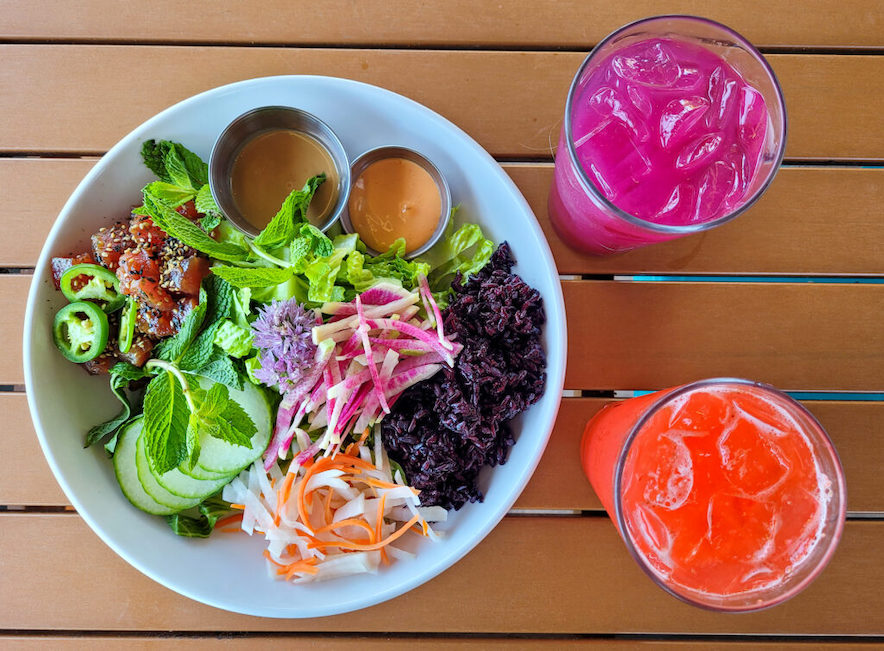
150	484
200	473
177	483
126	471
217	456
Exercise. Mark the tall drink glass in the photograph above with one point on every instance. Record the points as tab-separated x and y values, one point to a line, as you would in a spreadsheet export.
728	493
673	125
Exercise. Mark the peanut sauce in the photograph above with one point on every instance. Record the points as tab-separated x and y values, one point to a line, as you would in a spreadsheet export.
394	198
271	165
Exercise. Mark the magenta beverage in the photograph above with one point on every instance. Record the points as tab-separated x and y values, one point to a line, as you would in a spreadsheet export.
670	129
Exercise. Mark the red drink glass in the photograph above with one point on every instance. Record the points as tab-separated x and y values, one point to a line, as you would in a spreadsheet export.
673	125
728	493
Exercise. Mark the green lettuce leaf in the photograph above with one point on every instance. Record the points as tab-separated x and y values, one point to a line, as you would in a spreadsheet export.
233	339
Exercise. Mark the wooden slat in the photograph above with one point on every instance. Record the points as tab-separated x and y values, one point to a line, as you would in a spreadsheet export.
531	575
822	221
832	100
649	335
795	336
274	642
13	295
558	483
570	23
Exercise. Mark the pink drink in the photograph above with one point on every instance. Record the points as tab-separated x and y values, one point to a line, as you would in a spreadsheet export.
666	131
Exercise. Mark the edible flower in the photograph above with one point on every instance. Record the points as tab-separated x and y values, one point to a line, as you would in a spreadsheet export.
283	337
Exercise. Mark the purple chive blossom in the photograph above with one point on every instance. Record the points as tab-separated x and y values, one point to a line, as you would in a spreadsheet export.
283	335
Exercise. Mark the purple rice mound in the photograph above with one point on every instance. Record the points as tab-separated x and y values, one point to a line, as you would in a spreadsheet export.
445	430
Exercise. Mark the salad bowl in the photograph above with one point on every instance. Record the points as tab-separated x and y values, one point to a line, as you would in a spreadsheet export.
227	570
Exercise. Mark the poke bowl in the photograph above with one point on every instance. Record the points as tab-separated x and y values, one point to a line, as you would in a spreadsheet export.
229	571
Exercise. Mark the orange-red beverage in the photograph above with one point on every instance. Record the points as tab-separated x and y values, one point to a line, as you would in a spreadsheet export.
727	492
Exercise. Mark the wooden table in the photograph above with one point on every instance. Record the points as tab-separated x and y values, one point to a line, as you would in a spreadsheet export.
798	302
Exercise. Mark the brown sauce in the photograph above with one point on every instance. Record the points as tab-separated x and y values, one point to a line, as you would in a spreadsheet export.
394	198
274	163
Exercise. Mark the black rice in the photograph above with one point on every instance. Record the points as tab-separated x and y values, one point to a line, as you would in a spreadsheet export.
445	430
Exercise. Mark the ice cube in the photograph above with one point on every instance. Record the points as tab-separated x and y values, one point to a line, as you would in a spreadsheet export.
722	93
654	532
679	118
753	463
671	478
741	529
699	152
610	153
640	100
679	204
719	182
699	412
610	103
649	64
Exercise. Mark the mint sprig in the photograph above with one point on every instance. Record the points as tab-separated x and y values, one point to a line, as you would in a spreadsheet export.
176	410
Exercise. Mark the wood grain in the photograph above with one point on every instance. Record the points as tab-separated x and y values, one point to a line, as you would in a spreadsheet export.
627	335
832	100
642	335
54	572
518	23
558	483
793	230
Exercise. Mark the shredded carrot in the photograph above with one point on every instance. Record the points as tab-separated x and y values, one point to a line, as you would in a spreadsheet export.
366	548
240	507
380	523
223	522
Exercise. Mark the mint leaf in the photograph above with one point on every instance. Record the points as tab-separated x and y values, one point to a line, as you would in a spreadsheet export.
127	371
166	417
182	228
192	441
283	227
169	194
253	276
171	349
210	221
197	169
176	169
219	302
214	402
192	526
153	154
227	432
240	421
221	369
118	384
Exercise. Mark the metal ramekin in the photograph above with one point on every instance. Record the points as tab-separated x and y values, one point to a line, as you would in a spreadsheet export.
261	120
380	153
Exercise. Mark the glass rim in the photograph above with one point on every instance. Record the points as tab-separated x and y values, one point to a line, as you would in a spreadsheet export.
839	488
590	186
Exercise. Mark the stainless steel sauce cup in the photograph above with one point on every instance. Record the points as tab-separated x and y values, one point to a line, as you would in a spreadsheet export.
381	153
261	120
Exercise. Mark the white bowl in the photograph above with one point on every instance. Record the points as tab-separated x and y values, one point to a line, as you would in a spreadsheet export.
227	570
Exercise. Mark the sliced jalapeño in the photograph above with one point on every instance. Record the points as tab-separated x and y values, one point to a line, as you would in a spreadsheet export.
80	331
92	282
127	325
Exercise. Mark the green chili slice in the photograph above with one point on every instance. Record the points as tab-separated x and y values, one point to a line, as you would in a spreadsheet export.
127	325
100	286
80	331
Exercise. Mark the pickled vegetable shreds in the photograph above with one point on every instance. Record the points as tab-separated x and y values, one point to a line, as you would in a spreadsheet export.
445	430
